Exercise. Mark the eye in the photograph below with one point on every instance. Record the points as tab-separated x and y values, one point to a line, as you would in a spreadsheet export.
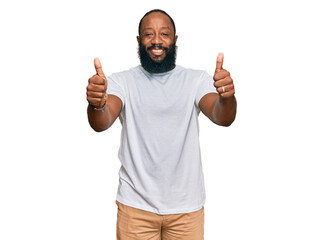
165	34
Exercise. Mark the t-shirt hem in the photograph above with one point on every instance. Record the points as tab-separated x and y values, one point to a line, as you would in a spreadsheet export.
204	93
161	212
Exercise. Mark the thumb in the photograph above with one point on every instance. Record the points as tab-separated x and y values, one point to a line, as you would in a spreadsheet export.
98	67
220	60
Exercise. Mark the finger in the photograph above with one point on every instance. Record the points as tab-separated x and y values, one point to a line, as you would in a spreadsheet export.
228	94
96	88
225	89
223	82
220	60
94	101
98	67
96	80
94	94
221	74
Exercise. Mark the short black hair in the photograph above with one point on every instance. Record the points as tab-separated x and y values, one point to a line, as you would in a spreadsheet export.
161	11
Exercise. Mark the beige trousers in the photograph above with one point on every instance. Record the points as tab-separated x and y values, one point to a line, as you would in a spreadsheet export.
136	224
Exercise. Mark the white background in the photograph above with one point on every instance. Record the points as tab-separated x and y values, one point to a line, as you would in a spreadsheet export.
58	178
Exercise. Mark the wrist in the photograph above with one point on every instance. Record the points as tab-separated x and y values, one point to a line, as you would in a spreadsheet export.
100	107
226	99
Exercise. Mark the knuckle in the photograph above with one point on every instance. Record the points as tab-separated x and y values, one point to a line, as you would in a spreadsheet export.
95	77
94	100
90	94
218	84
89	88
102	89
225	74
90	80
228	80
90	100
98	88
99	79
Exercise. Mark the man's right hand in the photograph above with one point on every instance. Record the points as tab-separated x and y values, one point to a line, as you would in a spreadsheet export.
97	86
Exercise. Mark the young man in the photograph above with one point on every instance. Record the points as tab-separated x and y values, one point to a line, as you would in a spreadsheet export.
161	192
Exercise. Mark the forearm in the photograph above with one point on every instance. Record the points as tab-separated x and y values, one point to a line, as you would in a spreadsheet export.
99	120
224	111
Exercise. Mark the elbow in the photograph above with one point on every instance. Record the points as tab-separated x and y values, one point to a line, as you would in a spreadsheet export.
98	128
224	120
229	123
224	123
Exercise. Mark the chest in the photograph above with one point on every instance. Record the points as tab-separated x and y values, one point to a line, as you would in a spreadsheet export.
153	96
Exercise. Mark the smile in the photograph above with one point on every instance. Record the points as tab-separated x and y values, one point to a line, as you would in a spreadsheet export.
157	52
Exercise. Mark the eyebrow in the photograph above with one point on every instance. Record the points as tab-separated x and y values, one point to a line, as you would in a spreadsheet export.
147	28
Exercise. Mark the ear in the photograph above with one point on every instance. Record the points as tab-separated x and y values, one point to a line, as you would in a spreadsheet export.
138	39
175	38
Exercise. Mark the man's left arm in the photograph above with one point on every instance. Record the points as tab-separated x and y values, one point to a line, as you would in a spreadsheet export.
220	108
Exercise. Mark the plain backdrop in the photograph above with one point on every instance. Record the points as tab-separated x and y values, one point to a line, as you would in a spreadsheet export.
58	178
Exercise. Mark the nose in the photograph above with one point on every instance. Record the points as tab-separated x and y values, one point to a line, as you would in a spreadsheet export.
156	40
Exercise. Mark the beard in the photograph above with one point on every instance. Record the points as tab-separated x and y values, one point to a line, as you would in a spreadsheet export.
165	65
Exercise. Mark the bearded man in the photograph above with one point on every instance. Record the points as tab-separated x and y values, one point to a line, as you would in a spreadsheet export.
161	192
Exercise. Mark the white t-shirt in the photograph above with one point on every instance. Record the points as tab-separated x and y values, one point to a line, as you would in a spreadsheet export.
161	168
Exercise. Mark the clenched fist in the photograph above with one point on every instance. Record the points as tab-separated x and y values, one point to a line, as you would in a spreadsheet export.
223	82
97	85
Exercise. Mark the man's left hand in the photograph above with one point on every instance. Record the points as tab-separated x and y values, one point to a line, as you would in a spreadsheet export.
223	82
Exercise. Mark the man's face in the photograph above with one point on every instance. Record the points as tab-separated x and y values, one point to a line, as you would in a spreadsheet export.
157	43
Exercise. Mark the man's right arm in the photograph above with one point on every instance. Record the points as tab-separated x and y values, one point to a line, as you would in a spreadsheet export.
102	120
97	98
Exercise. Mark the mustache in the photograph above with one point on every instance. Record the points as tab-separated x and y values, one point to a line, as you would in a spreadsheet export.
158	47
157	66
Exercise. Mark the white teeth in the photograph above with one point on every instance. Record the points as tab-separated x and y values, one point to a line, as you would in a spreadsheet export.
157	51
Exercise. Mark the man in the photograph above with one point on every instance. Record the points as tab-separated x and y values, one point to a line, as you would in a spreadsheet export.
161	190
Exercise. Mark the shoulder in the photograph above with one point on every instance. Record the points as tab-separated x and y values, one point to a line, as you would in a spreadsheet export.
191	73
126	74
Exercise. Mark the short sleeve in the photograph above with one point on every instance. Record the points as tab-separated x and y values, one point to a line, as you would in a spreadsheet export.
114	87
205	86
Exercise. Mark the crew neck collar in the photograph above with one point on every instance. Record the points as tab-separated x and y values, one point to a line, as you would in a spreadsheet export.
158	74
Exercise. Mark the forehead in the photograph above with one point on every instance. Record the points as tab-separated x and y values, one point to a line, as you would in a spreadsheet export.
156	20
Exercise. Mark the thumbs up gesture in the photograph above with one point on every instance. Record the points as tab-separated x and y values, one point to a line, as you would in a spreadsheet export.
223	82
97	85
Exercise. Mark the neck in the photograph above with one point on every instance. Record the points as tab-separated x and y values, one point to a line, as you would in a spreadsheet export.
159	70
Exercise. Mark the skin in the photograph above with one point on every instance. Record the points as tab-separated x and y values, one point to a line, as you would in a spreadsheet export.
97	85
220	108
157	29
